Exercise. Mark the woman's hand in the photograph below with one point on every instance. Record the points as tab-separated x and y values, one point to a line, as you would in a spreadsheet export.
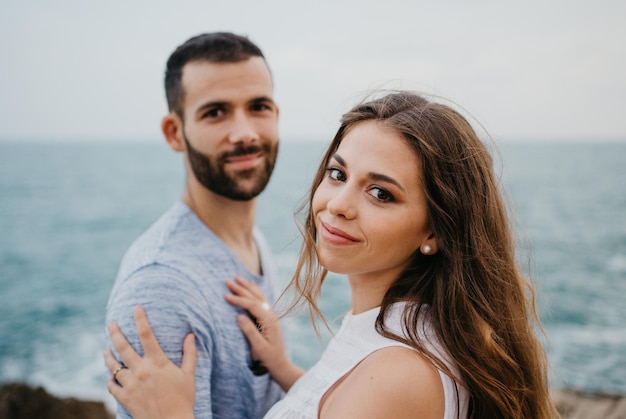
151	386
265	337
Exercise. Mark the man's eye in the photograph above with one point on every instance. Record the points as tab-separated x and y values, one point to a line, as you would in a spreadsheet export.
214	113
257	107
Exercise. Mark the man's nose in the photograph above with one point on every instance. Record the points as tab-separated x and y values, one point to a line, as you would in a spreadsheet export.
243	129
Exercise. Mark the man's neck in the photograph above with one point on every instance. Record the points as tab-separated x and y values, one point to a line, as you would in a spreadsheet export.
232	221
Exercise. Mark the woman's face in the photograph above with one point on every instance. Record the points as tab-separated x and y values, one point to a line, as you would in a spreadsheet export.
370	209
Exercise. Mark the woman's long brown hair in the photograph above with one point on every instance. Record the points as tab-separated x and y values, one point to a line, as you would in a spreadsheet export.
482	307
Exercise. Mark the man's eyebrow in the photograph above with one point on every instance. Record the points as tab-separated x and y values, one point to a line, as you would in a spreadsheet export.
262	99
225	103
371	175
213	104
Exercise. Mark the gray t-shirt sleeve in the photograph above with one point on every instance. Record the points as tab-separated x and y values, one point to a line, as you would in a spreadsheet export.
169	298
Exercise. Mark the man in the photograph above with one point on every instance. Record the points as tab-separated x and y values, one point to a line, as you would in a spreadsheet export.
225	122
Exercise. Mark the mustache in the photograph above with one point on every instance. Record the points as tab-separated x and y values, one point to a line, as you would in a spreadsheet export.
241	150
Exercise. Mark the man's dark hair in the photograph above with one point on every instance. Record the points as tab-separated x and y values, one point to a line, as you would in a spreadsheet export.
217	47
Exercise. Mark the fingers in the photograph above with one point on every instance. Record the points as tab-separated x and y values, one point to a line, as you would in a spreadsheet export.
251	286
113	365
115	389
251	331
247	295
110	361
260	310
190	355
148	341
124	349
245	288
114	382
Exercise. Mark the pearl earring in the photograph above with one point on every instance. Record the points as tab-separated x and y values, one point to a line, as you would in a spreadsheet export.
426	249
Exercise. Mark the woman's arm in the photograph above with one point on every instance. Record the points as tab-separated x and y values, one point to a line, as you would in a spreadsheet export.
265	337
151	386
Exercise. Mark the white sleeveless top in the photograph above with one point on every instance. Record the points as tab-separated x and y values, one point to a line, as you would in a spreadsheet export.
355	340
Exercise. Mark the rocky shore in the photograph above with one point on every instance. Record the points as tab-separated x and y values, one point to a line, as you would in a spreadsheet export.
577	405
19	401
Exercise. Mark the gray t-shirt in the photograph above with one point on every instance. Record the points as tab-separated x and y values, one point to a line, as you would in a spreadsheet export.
177	271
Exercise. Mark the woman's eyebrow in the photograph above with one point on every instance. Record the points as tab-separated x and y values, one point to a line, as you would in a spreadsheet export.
385	178
371	175
339	159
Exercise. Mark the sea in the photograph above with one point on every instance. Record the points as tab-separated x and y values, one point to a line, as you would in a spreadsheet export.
69	210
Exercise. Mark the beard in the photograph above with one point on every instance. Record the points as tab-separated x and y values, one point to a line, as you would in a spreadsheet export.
211	173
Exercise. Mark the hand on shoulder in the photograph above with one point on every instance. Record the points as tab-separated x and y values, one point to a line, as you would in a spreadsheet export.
151	386
265	337
393	382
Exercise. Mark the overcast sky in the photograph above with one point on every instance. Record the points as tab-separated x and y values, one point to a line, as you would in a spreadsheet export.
534	70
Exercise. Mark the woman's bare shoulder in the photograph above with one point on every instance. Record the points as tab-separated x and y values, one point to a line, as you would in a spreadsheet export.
391	382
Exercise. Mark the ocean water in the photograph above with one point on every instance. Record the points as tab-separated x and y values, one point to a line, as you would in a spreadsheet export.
68	211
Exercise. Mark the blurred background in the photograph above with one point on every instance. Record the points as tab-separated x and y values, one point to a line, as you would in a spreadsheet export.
84	169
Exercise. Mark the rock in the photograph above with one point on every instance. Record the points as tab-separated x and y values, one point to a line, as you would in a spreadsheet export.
20	401
573	404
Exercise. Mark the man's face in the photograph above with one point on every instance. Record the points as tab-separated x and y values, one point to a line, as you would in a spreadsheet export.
230	126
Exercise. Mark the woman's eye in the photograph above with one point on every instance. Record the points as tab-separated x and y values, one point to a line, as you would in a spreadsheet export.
336	174
381	194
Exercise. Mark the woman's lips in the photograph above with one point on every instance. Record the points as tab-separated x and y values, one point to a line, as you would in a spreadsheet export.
335	236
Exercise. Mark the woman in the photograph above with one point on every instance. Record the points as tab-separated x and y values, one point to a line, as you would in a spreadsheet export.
406	204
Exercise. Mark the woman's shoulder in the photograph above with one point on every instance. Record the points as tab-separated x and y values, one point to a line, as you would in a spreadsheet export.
395	368
390	382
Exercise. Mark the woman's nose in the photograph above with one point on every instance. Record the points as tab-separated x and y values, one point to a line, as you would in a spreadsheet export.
342	203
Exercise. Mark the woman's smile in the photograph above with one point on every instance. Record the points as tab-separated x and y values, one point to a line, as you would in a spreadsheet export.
335	236
370	209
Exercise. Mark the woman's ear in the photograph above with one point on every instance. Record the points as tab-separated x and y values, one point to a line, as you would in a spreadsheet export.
429	247
172	128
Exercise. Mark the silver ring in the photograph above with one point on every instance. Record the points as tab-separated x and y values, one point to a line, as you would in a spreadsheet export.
120	368
265	306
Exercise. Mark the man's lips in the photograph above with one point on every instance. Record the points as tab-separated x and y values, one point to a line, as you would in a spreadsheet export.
334	235
244	161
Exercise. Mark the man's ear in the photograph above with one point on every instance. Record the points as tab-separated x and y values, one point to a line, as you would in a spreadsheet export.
172	128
